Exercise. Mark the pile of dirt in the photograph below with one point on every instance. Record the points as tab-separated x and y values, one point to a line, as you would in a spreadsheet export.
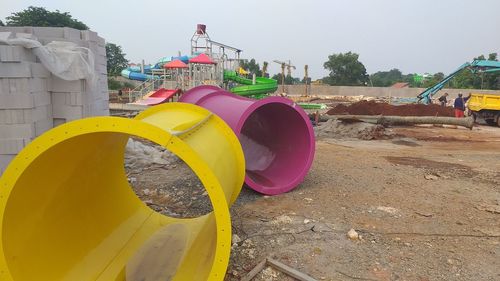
377	108
338	129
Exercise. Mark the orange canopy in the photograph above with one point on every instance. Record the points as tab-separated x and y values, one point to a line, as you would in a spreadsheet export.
175	64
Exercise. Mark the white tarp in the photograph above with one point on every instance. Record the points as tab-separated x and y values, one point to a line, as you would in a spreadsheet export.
65	60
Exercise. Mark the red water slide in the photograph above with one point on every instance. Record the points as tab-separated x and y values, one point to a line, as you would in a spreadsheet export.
160	96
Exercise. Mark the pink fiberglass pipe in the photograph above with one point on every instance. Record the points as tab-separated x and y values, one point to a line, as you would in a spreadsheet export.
275	133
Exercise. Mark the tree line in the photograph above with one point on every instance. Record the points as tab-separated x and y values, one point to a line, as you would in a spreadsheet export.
344	69
463	80
39	16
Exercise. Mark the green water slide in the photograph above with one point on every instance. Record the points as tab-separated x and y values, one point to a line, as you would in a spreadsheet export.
261	87
308	105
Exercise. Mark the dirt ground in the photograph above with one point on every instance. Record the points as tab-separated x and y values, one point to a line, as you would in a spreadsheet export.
425	204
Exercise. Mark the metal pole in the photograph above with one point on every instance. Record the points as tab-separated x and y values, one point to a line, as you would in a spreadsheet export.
283	78
306	67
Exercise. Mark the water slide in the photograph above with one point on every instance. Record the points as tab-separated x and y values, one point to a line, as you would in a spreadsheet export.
164	60
261	87
159	96
133	74
308	105
67	211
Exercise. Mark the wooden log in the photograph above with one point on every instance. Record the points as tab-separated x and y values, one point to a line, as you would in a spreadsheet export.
258	268
403	120
289	271
278	266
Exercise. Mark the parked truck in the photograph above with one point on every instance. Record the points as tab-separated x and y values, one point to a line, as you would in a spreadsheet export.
485	106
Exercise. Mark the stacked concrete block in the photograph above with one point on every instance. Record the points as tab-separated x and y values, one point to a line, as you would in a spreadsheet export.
25	102
100	94
32	100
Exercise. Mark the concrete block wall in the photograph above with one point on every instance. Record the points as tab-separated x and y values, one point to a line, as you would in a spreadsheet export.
32	100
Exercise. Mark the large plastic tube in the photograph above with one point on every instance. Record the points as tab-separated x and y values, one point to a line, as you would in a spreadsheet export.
67	211
262	85
275	133
127	73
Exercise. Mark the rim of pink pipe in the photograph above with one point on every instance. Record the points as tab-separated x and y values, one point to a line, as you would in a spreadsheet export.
279	152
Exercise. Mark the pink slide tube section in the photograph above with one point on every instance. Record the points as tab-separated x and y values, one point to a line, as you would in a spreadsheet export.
275	133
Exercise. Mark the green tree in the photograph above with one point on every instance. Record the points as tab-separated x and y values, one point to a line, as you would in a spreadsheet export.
117	85
289	80
264	69
116	59
345	70
436	78
465	80
39	16
491	80
251	66
386	78
114	84
303	81
468	80
1	23
410	79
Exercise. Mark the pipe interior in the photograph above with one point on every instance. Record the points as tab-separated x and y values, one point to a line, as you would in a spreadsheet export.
73	216
276	141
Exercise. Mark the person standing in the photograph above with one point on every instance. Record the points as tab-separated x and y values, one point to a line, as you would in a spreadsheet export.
443	99
460	105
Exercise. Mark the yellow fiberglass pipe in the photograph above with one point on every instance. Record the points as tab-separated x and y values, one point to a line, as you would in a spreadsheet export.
67	211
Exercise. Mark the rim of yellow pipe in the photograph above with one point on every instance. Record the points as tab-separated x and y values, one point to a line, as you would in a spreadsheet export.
228	133
137	128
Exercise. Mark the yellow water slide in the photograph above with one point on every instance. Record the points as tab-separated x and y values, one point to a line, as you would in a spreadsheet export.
67	211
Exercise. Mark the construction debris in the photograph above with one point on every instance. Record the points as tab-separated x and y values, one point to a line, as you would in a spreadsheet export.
338	129
143	154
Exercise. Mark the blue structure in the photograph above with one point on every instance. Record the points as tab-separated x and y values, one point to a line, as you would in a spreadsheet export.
477	66
135	73
132	74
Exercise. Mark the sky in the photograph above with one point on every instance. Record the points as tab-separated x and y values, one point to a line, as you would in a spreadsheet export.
413	36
